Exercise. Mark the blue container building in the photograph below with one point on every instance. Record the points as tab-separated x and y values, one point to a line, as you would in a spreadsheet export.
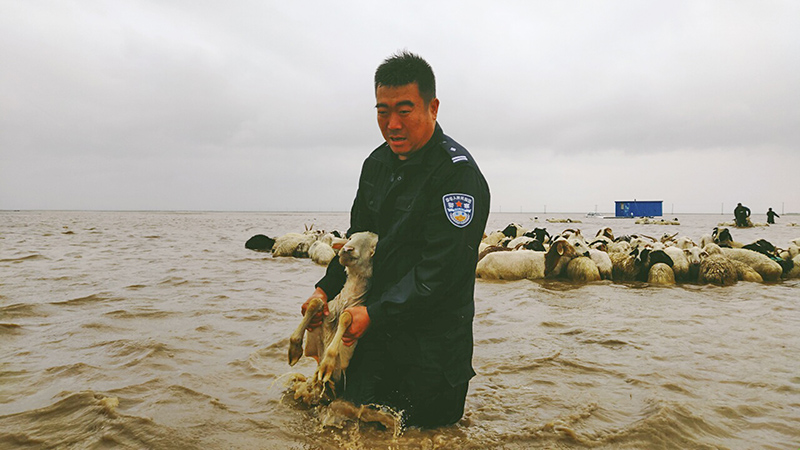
638	208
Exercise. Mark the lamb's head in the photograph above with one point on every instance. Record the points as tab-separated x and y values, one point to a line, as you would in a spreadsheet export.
356	255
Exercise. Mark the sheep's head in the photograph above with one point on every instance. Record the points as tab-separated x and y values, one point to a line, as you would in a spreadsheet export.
605	232
511	230
560	253
358	252
695	255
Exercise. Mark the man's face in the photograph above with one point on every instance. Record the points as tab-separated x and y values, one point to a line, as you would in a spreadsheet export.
405	121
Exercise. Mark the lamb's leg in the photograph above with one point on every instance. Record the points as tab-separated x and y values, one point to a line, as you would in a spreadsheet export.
296	339
328	364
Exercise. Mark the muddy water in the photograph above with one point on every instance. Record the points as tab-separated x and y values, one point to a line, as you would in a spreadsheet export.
160	330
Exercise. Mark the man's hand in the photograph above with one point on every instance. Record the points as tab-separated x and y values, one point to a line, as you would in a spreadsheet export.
359	325
316	321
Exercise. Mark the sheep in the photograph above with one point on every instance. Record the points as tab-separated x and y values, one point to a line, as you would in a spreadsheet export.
605	233
260	243
656	267
680	264
661	274
295	244
767	268
325	342
540	234
620	246
521	240
599	257
511	265
684	243
563	259
723	238
794	272
715	268
323	250
694	256
514	230
494	238
626	266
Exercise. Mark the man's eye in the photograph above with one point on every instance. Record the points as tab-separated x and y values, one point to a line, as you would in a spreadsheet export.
405	111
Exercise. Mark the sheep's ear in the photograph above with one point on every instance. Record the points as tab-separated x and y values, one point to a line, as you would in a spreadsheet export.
560	248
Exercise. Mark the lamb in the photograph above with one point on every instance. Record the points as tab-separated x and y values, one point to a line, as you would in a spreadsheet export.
563	259
511	265
325	343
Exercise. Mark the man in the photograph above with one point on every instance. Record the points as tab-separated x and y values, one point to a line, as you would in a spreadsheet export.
425	197
741	213
771	215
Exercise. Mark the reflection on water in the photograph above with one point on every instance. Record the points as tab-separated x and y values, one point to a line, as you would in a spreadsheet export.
160	330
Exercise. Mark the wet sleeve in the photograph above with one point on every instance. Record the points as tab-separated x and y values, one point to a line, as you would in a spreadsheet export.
448	258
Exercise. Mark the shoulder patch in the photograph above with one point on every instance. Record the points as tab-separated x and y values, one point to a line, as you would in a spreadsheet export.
459	208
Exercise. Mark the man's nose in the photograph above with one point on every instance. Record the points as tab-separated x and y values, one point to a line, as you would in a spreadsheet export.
394	122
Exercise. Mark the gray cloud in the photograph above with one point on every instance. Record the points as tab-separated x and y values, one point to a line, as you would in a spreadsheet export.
153	105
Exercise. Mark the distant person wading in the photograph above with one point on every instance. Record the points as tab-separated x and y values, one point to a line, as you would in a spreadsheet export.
771	215
741	214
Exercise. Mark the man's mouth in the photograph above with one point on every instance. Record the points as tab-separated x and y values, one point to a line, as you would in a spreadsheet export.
395	139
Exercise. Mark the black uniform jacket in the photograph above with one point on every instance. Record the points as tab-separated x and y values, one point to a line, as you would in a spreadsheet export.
430	213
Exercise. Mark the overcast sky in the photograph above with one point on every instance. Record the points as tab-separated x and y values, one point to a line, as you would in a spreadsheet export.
269	105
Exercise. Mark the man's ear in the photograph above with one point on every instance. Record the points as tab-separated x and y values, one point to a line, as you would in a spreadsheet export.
434	107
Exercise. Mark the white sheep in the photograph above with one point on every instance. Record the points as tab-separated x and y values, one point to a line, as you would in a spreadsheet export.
323	250
661	274
511	265
295	244
684	243
680	265
767	268
599	257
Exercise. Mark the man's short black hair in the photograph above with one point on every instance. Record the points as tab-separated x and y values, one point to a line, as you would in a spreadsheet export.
404	68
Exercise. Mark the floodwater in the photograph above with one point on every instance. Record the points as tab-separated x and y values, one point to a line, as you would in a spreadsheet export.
160	330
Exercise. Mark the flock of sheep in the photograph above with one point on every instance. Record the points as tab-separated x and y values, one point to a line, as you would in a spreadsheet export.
517	253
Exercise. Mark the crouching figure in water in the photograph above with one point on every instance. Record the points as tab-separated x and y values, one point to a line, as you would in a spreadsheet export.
325	342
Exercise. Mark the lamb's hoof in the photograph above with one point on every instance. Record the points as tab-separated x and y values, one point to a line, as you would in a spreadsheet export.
324	371
295	352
